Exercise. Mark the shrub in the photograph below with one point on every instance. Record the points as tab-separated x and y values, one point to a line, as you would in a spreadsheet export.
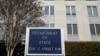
71	48
82	48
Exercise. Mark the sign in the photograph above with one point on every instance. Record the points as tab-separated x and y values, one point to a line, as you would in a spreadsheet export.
44	41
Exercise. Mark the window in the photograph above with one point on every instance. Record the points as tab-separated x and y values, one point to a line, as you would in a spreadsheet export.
49	25
95	29
46	10
92	11
49	0
72	29
70	11
90	0
49	10
69	0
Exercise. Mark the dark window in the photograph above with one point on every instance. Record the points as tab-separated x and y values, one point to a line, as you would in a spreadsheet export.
92	11
72	29
92	29
98	29
46	10
69	29
75	29
49	10
95	29
70	11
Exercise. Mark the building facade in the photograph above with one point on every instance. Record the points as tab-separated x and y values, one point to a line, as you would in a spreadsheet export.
79	19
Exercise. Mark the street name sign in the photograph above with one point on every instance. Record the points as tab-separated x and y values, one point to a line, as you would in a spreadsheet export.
44	41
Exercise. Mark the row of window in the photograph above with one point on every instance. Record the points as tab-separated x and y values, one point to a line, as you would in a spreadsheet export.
71	0
72	28
71	11
81	0
94	28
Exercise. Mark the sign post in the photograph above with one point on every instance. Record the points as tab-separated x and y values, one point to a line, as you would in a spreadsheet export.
44	42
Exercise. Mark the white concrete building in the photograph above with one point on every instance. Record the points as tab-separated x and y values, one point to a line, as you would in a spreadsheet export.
80	19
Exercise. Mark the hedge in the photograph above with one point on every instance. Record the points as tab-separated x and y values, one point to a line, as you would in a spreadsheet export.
82	48
71	48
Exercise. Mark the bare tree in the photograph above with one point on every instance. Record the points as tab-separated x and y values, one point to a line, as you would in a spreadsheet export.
16	15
